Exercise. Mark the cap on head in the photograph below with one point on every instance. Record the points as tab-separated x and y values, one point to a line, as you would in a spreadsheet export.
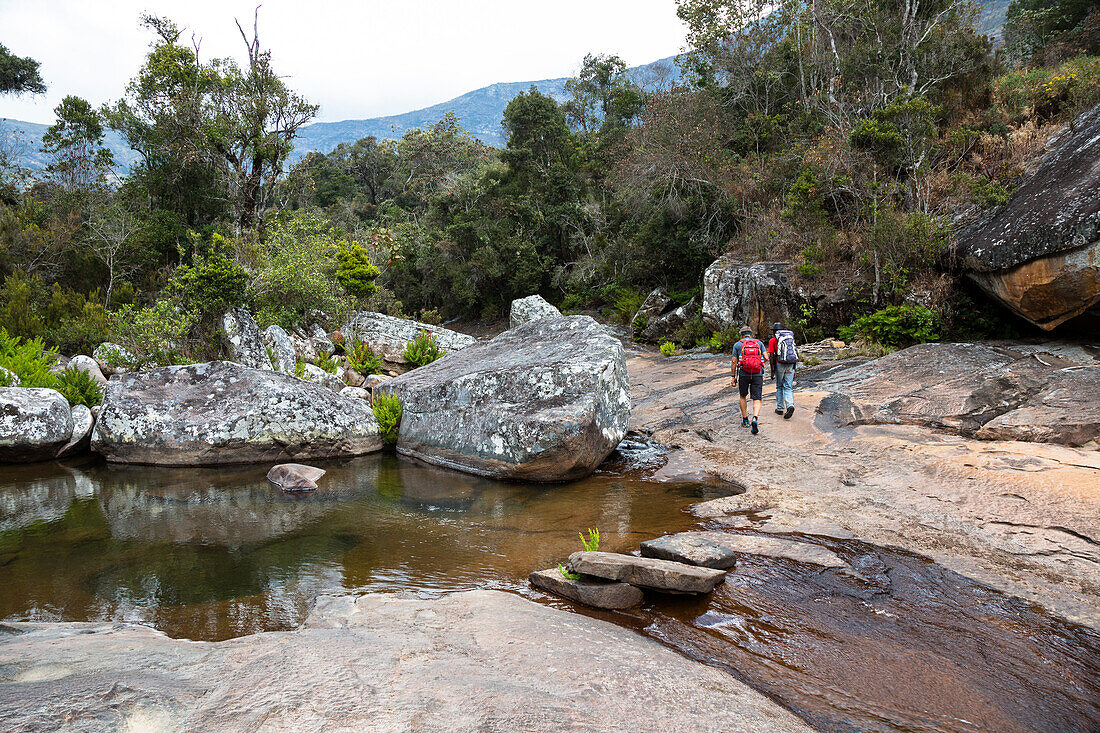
746	331
777	326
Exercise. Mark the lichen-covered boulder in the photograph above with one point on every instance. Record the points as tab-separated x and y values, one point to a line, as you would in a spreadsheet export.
545	401
34	424
278	342
322	344
664	325
654	305
224	413
81	439
1040	253
389	334
758	294
531	308
243	340
317	375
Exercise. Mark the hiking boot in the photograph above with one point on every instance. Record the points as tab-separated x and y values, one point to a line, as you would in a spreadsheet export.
789	412
744	422
755	427
779	411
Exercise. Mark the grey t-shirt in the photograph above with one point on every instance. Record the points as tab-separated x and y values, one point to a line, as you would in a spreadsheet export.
737	356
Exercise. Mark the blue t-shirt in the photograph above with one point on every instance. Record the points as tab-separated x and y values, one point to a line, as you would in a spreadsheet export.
737	356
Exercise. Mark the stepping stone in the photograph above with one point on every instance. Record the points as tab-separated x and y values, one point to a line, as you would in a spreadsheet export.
690	549
646	572
748	544
295	476
589	591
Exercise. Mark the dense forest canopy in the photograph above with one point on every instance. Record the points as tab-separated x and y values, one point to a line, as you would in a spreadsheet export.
844	136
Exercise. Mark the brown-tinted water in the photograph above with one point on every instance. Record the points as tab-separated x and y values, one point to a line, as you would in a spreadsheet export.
894	642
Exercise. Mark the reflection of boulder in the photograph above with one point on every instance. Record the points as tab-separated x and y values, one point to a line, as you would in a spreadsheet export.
1040	253
34	424
35	494
224	413
546	401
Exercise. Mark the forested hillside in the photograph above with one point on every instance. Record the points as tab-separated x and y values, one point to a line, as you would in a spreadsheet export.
847	138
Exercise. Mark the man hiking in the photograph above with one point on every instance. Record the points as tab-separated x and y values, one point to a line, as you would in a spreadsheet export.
784	358
747	366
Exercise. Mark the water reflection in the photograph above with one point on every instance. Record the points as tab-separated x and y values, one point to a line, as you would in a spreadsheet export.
210	553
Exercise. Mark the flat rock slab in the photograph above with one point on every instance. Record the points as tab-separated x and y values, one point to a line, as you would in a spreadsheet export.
690	549
589	591
295	476
750	544
646	572
477	661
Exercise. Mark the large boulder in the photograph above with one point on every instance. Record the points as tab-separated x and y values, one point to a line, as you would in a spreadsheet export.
531	308
34	424
1040	253
737	293
89	365
223	413
654	305
664	325
546	401
389	334
81	439
243	340
278	342
994	391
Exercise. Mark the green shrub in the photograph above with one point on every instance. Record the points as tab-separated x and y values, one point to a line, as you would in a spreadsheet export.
895	325
355	271
363	358
214	284
387	410
693	332
422	350
299	368
327	363
627	302
668	348
723	340
592	541
79	387
157	335
28	360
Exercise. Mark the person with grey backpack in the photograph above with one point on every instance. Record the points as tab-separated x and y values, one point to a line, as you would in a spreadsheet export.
784	359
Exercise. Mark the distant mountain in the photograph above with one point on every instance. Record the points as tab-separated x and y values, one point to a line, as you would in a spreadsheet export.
479	111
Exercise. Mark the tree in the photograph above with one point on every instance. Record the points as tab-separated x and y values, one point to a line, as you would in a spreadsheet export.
19	75
1031	25
601	95
110	234
74	143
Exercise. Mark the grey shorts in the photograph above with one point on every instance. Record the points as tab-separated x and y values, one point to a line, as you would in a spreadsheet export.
750	383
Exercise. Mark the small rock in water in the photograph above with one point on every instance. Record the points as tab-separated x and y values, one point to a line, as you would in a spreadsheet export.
590	592
295	476
646	572
690	549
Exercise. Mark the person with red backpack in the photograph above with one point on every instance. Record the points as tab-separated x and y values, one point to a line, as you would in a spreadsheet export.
747	368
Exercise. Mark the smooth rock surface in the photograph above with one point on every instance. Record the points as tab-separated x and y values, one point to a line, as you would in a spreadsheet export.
295	476
282	348
737	293
691	550
89	365
388	334
588	591
223	413
683	544
243	340
531	308
34	424
1040	253
476	661
646	572
1020	392
81	439
545	401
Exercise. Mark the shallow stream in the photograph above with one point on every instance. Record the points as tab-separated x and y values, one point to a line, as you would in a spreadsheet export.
894	642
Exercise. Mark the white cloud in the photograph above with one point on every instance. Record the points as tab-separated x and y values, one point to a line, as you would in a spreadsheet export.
356	59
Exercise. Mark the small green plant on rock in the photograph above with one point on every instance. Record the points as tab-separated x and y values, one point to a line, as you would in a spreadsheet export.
363	358
668	348
387	410
299	368
592	541
565	573
79	388
327	363
422	350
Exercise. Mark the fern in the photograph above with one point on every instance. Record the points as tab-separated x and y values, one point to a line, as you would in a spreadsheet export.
567	574
79	388
387	409
363	358
592	542
422	350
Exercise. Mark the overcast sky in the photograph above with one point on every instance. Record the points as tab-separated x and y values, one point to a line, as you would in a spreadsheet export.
357	59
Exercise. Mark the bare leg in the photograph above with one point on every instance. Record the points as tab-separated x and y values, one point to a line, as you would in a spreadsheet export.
745	408
755	408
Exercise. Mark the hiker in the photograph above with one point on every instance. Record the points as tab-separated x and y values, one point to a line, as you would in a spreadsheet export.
747	366
784	358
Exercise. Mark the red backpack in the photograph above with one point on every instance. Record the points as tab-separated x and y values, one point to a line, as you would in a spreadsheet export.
752	361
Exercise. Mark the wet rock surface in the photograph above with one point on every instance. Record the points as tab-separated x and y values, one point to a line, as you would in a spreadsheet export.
243	340
1040	253
693	546
546	401
589	591
375	662
295	476
34	424
989	391
691	549
389	334
223	413
531	308
646	572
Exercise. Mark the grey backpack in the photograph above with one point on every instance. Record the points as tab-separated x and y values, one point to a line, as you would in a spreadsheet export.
785	352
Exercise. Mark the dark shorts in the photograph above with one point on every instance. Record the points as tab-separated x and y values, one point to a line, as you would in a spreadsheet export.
753	383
